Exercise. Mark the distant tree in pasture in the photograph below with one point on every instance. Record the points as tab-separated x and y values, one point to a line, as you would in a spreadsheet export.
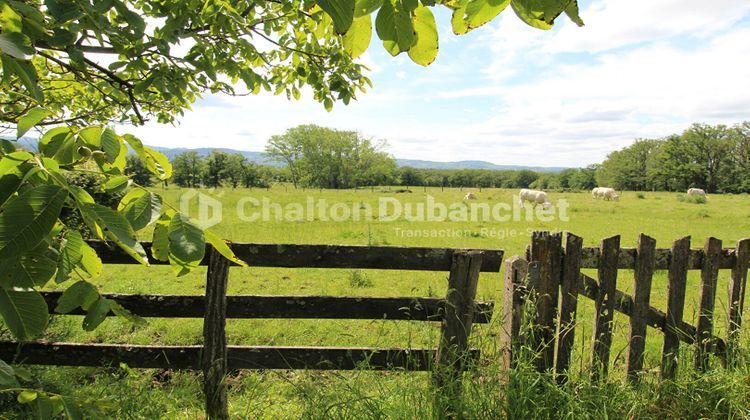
583	179
410	177
700	157
326	158
215	169
187	169
137	171
631	168
234	169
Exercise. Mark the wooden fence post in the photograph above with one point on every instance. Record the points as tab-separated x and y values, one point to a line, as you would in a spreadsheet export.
546	248
604	307
516	269
571	273
737	295
645	262
709	278
214	356
678	270
455	329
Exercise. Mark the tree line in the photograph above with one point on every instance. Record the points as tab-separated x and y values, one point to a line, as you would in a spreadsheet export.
715	158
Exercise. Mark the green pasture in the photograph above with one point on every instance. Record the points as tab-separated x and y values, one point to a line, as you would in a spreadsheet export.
147	394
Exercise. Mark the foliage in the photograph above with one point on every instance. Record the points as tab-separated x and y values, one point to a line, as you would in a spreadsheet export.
130	60
713	158
326	158
137	171
188	169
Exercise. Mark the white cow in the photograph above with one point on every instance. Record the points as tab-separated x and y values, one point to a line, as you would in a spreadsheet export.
470	196
606	193
534	197
696	192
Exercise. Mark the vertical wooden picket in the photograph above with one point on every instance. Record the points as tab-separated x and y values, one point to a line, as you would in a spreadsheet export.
455	330
737	285
516	269
709	278
604	307
678	270
571	272
645	261
214	356
546	248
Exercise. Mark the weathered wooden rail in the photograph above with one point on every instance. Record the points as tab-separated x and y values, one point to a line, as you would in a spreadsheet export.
456	313
551	275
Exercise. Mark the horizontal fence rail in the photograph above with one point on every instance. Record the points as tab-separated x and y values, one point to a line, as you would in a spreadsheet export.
627	257
286	307
456	314
238	357
324	256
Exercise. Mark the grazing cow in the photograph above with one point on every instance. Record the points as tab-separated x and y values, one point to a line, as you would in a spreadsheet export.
606	193
470	196
534	197
696	192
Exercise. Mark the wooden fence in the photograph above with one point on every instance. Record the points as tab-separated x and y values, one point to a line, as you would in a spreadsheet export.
551	275
456	312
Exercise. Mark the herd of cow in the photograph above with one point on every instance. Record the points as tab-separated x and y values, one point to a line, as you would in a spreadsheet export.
605	193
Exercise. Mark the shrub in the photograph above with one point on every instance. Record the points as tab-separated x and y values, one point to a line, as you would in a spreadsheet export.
358	279
640	195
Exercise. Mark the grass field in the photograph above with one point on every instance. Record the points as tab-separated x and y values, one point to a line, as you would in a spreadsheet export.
150	394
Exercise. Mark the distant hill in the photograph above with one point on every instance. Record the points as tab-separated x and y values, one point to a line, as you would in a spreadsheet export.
261	158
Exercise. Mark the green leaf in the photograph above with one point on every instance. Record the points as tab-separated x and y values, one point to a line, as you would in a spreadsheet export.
32	118
70	256
459	25
221	246
26	73
10	20
340	11
116	184
425	50
479	12
16	45
91	136
118	310
131	196
394	27
366	7
117	229
24	312
43	408
13	160
160	241
357	38
540	14
59	144
28	271
26	396
9	184
187	244
145	210
81	294
156	162
111	145
29	218
573	13
7	376
71	408
97	313
90	262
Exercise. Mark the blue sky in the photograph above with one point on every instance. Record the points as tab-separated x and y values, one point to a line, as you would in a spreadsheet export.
510	94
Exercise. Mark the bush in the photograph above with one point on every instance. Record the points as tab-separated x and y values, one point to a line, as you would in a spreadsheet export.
640	195
359	280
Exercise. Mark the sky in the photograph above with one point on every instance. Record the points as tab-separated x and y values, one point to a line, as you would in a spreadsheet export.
514	95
